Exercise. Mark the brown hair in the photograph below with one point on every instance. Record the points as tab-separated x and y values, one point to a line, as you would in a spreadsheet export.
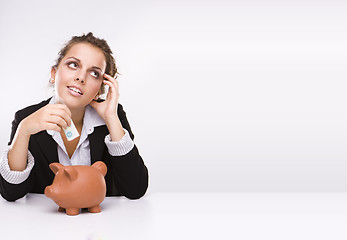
111	68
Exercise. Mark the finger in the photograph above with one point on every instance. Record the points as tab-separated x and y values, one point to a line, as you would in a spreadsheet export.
113	85
107	76
63	107
111	79
57	120
113	90
60	110
62	114
52	126
93	104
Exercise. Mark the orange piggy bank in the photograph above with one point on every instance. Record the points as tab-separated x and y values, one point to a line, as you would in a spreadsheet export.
76	187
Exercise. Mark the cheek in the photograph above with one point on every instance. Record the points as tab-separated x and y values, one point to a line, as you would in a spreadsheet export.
63	77
94	87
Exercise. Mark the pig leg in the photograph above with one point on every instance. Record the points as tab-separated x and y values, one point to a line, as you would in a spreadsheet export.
61	209
72	211
95	209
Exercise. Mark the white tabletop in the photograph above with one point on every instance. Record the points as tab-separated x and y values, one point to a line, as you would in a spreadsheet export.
183	216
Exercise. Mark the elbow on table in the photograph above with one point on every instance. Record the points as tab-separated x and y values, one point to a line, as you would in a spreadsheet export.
10	198
12	192
134	195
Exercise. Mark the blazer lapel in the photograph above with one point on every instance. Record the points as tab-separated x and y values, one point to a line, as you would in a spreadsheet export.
48	146
96	143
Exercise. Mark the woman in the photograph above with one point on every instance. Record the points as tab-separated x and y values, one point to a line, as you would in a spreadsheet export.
84	66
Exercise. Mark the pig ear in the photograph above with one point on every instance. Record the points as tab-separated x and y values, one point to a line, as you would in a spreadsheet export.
55	167
101	167
71	173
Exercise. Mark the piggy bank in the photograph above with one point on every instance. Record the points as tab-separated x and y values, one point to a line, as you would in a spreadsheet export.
76	187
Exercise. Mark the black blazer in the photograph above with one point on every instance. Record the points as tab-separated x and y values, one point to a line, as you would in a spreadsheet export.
126	175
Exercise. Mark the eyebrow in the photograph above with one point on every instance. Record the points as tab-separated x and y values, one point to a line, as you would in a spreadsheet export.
80	61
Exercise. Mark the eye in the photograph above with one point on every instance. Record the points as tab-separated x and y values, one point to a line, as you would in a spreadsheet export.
95	74
72	65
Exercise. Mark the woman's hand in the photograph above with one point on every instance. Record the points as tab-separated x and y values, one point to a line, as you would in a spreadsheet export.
108	108
50	117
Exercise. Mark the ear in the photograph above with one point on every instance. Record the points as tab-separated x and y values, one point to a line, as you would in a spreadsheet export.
101	167
53	72
55	167
71	173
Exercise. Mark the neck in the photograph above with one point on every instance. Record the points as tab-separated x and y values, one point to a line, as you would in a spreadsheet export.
77	116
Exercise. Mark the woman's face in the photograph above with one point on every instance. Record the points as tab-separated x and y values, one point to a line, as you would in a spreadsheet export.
79	75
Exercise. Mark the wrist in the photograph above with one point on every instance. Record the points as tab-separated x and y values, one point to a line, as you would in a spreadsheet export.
115	129
111	120
22	130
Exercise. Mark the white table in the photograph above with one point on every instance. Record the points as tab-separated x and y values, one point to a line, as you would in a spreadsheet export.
183	216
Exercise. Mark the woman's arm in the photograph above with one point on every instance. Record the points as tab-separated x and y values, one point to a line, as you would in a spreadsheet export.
13	184
15	180
18	153
130	174
49	117
128	170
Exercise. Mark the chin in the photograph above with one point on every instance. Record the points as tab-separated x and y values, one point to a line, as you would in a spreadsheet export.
74	102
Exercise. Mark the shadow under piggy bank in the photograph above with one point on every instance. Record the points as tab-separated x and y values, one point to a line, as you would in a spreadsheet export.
76	187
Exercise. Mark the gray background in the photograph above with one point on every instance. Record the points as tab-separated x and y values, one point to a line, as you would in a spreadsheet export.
221	95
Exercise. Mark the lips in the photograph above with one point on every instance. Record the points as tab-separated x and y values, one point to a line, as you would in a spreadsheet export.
75	89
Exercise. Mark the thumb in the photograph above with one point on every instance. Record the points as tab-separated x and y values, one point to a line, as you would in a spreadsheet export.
93	104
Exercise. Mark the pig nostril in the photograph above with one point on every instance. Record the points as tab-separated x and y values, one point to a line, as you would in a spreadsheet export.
48	191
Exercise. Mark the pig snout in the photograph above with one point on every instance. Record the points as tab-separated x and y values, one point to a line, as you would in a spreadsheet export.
49	191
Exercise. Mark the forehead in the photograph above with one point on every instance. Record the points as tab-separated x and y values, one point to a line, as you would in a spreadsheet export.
88	54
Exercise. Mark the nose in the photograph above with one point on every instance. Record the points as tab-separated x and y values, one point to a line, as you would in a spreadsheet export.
80	79
48	191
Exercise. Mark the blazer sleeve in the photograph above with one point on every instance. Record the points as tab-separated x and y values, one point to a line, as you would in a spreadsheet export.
129	171
9	191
